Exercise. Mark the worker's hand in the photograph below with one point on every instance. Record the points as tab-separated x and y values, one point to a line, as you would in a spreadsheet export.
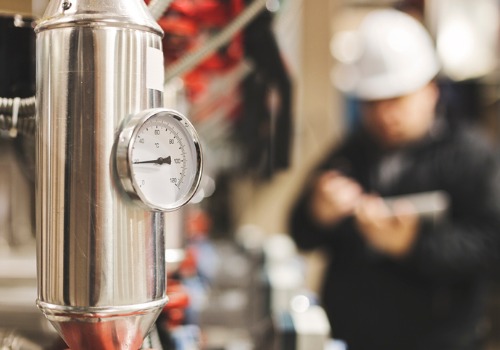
334	197
390	231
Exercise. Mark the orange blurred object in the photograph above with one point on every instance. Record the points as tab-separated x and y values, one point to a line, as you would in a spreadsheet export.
178	300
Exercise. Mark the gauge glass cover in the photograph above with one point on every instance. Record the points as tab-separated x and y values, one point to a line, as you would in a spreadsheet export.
164	161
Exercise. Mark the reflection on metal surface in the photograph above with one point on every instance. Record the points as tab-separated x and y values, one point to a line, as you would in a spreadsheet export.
101	262
122	327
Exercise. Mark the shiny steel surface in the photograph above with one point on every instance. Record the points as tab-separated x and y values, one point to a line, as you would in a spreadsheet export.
131	14
97	251
103	327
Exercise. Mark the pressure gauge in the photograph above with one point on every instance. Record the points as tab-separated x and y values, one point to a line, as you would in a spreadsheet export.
159	159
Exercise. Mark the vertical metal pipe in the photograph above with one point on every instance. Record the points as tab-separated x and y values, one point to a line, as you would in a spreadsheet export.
101	262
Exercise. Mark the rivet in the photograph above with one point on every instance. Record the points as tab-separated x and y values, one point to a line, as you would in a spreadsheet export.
66	5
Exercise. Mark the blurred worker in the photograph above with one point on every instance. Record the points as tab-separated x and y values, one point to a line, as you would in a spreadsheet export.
399	279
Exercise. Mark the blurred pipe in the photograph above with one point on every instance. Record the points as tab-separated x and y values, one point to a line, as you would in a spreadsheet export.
158	8
26	106
17	115
191	60
10	340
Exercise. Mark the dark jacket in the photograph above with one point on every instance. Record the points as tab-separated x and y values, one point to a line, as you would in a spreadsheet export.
431	299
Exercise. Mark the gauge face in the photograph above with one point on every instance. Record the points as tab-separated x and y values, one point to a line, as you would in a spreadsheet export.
163	159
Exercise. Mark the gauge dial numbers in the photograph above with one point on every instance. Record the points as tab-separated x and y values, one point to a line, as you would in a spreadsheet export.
159	159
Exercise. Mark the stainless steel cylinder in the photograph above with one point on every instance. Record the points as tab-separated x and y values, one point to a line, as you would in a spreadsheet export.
101	258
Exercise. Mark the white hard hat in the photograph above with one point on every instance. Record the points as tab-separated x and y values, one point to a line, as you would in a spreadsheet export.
395	57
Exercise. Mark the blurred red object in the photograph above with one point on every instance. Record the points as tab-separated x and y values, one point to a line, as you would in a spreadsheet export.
198	224
178	301
188	24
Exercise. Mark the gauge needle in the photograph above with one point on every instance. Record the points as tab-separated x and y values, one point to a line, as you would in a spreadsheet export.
159	161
